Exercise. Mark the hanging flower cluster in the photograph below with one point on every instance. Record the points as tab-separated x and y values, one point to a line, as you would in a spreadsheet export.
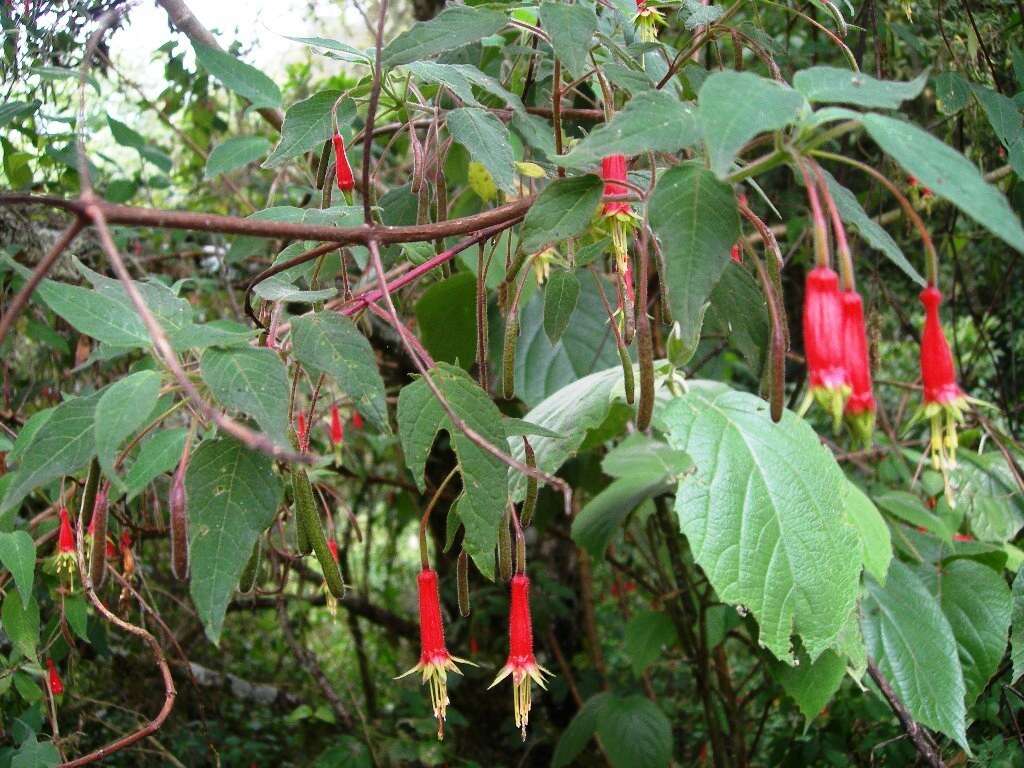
647	21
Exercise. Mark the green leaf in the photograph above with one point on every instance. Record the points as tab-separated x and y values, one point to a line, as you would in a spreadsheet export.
875	542
647	634
737	310
695	217
21	624
77	615
1005	118
307	125
560	296
234	153
977	604
634	731
832	85
159	454
252	380
911	641
734	107
351	53
233	496
62	445
571	28
810	684
326	342
948	174
579	731
35	754
124	407
596	524
563	209
641	455
235	75
907	507
454	27
780	544
484	477
12	110
851	212
653	121
486	139
18	555
461	78
1017	632
446	319
586	345
988	496
952	92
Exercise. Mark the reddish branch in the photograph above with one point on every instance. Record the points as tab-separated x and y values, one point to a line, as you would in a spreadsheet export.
916	733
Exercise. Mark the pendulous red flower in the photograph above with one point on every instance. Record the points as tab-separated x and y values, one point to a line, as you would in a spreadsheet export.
613	171
337	430
435	662
65	544
302	431
343	171
944	402
823	340
521	664
56	684
860	408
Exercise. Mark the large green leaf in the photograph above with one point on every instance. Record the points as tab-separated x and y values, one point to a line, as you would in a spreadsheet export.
734	107
562	210
244	79
875	542
811	684
18	555
452	28
561	293
233	496
123	408
764	517
654	121
911	641
33	753
484	477
461	78
634	732
1004	115
62	445
854	215
159	454
1017	636
254	381
948	174
486	139
329	343
12	110
21	623
579	731
833	85
987	493
234	153
737	310
446	319
977	604
571	28
697	222
307	125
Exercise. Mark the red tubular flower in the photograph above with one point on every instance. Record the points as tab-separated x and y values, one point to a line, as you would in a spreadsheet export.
823	340
357	420
521	664
65	544
343	171
302	431
860	408
613	171
944	401
337	430
56	684
435	662
735	254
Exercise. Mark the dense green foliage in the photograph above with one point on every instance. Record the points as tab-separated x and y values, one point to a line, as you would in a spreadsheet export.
716	579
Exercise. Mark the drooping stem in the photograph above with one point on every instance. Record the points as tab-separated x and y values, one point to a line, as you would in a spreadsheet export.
425	519
821	255
847	279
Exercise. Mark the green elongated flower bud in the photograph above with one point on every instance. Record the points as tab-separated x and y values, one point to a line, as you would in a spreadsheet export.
462	573
250	575
508	357
308	519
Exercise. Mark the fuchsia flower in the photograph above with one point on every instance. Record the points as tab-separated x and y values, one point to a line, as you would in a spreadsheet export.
944	402
435	661
647	21
860	408
521	664
613	171
302	431
65	544
343	171
337	430
823	340
53	677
